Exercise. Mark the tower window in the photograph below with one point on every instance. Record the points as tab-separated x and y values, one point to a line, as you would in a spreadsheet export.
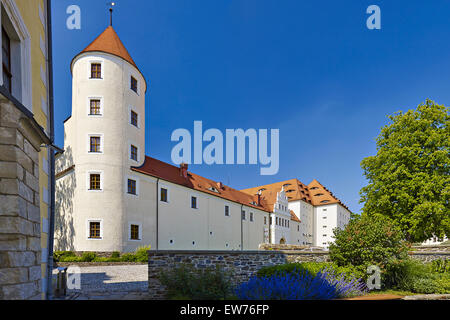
94	230
163	195
194	202
96	70
134	232
94	108
94	144
94	181
251	216
134	153
131	186
134	118
243	214
6	55
265	220
134	85
227	211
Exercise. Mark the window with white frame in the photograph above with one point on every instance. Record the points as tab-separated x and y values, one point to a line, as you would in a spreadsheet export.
194	202
16	52
164	194
227	211
95	143
94	180
134	231
94	229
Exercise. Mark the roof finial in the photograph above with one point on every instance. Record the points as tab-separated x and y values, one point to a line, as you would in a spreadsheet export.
111	5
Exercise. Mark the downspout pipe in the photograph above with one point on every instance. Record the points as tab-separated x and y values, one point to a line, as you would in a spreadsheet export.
51	229
242	229
157	213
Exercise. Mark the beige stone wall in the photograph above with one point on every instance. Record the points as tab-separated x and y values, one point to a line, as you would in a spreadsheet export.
20	237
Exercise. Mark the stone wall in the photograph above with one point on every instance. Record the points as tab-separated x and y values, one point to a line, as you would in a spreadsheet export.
243	264
20	243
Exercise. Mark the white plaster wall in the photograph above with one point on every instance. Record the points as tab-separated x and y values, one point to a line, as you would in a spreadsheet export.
111	204
305	212
329	217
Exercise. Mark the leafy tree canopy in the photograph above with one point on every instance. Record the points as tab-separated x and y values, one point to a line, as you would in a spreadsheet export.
409	178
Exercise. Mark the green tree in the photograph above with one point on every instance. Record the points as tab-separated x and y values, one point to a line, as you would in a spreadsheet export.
409	179
368	240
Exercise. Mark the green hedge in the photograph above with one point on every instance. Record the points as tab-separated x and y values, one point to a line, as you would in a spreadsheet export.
140	255
348	272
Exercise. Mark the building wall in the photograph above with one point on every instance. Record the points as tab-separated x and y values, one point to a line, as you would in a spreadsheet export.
20	215
30	86
305	212
327	218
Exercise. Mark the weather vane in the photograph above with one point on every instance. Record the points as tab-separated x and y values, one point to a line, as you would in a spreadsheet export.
111	5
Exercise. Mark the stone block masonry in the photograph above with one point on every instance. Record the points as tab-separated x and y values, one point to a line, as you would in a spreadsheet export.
243	264
20	242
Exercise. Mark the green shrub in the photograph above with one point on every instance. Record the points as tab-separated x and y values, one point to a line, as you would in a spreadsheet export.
440	266
88	256
424	285
187	282
348	272
58	255
115	254
128	257
368	241
401	274
141	254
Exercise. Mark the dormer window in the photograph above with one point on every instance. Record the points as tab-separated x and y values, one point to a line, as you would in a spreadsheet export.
134	84
318	194
262	189
313	188
324	201
213	189
96	70
286	184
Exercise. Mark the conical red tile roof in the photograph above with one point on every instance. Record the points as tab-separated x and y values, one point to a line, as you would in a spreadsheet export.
109	42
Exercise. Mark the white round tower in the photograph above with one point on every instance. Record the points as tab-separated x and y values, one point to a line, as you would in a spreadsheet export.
107	137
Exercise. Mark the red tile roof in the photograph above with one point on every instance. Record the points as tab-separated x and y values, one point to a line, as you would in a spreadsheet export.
108	41
170	173
313	193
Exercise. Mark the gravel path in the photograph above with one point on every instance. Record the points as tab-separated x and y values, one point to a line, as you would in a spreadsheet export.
111	282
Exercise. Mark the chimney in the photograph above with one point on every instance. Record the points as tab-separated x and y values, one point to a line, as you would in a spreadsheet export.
258	198
183	169
219	185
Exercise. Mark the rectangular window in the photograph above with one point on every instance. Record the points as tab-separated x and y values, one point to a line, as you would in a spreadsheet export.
131	186
194	202
133	85
134	118
227	211
94	181
163	194
94	108
270	220
243	214
265	220
95	144
96	70
134	153
94	230
6	55
134	232
251	216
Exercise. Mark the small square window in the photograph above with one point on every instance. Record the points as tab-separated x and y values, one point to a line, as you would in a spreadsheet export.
163	194
134	118
134	153
94	144
94	181
131	186
194	202
134	84
96	70
94	230
94	107
134	232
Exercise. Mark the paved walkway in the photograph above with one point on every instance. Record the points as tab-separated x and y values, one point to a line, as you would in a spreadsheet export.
111	283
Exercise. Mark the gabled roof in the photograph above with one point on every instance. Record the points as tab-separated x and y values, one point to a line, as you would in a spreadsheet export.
170	173
109	42
313	193
320	195
294	189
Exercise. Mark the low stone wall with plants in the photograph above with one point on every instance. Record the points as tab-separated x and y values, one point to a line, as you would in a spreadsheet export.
243	264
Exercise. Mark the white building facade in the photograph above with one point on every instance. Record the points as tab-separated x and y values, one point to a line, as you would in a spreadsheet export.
110	196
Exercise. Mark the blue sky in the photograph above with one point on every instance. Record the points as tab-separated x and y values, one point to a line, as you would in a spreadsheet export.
309	68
